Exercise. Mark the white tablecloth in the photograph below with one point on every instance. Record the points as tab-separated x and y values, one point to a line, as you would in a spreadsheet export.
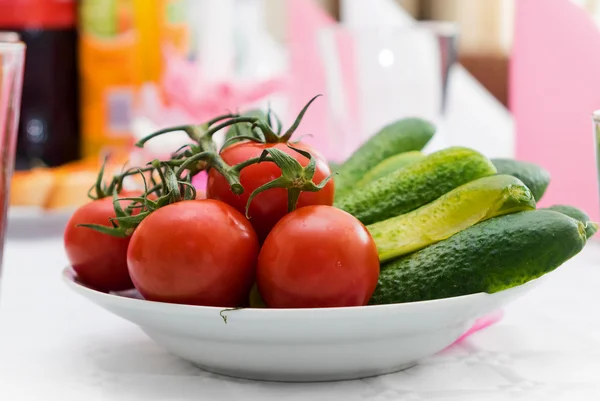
55	345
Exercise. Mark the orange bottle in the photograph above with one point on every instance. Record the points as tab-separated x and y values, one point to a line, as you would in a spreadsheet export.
120	50
111	69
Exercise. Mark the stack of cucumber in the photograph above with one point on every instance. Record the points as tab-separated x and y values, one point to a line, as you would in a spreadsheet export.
453	222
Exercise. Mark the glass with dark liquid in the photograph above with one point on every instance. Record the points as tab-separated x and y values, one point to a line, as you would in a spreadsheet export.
12	56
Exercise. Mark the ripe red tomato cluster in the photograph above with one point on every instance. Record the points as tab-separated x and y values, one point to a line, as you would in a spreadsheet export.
206	252
270	206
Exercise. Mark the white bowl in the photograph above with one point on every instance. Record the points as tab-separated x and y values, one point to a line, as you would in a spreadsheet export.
303	344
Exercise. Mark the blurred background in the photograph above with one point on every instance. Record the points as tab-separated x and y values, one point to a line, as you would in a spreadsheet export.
100	74
486	30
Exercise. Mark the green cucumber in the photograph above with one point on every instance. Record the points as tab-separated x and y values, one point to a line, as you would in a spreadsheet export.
334	166
455	211
399	137
390	165
534	176
491	256
416	185
577	214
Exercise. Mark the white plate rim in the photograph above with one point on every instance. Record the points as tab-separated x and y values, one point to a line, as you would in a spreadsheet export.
69	277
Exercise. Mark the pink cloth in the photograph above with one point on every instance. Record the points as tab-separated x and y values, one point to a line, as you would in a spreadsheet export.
554	87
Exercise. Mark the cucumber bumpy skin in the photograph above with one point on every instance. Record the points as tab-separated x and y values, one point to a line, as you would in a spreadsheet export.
399	137
390	165
491	256
453	212
416	185
577	214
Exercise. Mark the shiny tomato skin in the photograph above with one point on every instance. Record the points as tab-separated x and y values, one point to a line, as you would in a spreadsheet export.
197	252
315	257
100	260
270	206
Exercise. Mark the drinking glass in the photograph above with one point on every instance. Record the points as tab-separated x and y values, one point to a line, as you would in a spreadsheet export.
12	58
376	75
596	119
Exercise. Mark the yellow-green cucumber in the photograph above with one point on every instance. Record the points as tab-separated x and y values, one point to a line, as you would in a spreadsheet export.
398	137
455	211
390	165
416	185
534	176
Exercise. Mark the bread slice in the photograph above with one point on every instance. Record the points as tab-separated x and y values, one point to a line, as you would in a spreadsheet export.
31	188
70	189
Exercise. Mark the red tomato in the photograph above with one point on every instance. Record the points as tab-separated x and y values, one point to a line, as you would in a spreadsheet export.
270	206
198	252
100	260
318	256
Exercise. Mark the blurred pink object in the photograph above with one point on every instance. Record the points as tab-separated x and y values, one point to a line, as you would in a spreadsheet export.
307	77
481	324
184	86
555	86
186	96
199	181
12	60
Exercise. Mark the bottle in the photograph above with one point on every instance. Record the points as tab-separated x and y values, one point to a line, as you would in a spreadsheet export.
48	133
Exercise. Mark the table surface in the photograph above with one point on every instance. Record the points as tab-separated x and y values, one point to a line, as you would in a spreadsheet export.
55	345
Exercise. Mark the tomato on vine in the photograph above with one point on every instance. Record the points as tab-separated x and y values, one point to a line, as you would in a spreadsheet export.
271	204
196	252
318	256
100	260
174	247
